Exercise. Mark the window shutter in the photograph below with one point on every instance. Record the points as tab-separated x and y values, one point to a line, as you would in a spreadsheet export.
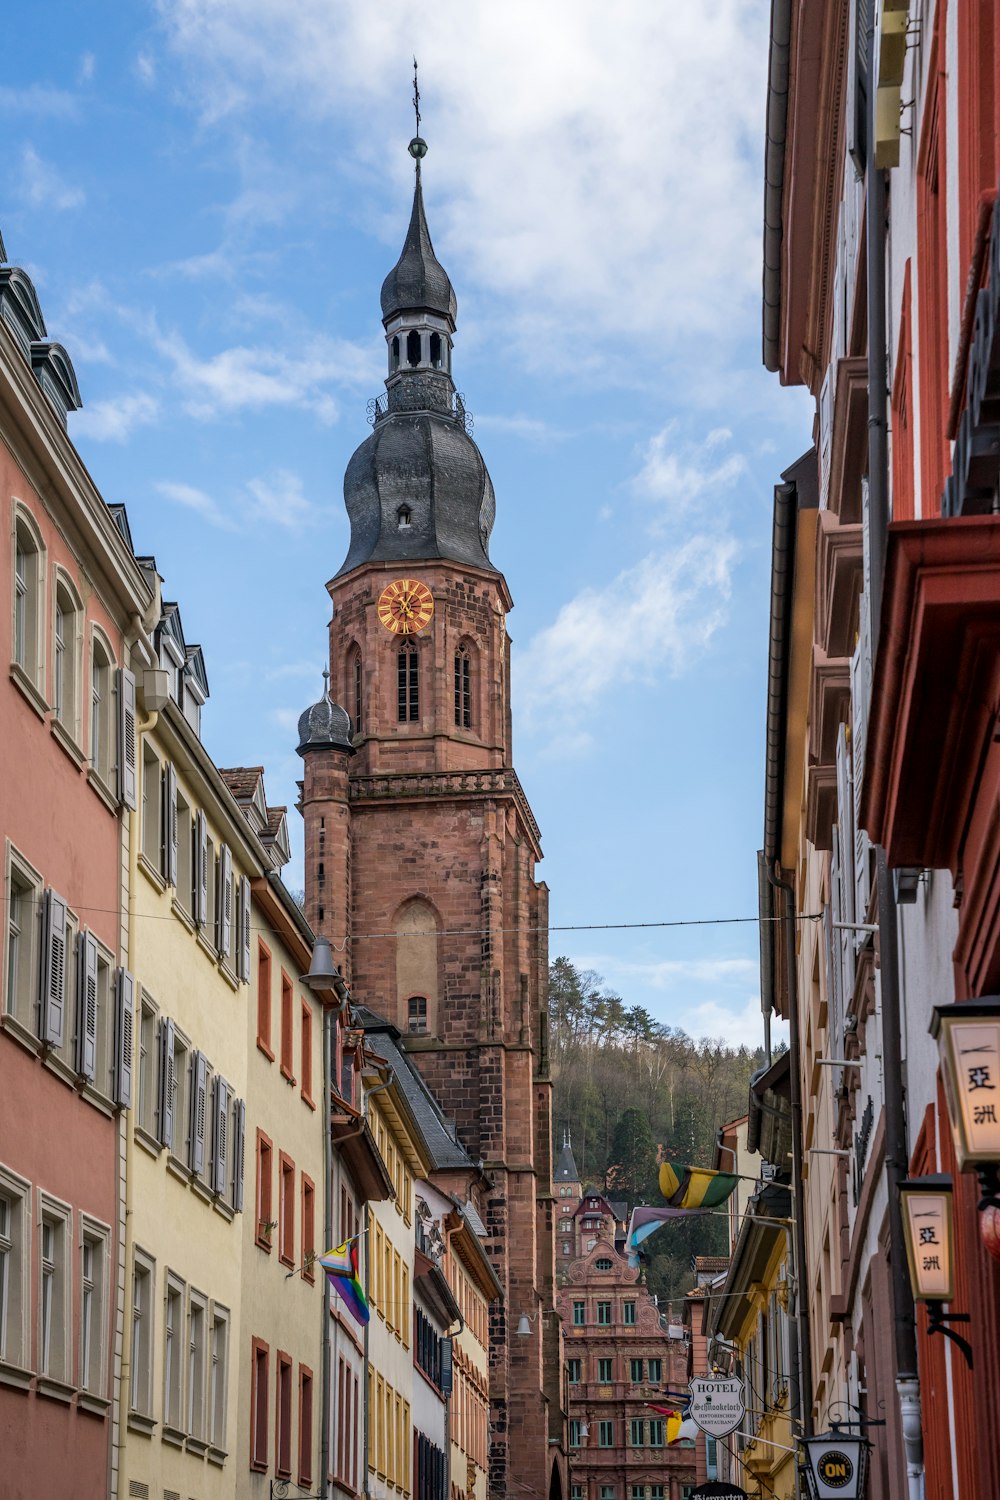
239	1137
52	1000
860	694
201	869
243	921
225	900
127	761
167	1082
199	1089
124	1022
220	1135
170	824
845	845
86	1023
858	83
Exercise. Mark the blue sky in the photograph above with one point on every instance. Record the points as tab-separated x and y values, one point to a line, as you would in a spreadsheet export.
208	194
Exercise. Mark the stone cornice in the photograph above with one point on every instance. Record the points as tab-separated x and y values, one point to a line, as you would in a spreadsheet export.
429	786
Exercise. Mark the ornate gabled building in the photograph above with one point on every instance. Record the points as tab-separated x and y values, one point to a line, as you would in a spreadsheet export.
420	846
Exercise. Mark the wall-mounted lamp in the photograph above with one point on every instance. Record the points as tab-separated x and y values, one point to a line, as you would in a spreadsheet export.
524	1323
323	972
929	1232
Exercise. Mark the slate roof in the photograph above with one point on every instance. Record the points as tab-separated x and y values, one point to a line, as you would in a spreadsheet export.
566	1165
437	1130
325	725
418	279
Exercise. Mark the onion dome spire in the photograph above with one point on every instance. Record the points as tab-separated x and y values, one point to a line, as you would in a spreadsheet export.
418	281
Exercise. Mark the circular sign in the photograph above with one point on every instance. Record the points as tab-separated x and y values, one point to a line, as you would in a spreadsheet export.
836	1469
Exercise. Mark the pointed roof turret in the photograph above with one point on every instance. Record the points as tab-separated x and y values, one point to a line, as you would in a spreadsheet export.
418	281
566	1165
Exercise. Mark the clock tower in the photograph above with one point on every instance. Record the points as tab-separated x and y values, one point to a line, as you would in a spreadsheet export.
420	846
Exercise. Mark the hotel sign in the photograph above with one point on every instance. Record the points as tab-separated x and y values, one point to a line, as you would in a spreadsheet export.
717	1405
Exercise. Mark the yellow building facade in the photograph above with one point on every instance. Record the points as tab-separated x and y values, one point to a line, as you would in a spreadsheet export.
192	858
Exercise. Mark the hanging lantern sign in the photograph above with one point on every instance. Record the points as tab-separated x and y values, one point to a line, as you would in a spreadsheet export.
836	1466
717	1405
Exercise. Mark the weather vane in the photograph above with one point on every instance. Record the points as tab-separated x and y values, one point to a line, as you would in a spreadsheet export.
418	146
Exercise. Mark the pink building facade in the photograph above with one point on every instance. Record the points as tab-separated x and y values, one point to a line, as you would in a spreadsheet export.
70	594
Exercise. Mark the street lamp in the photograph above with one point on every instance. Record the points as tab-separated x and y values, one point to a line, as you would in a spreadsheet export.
929	1232
836	1465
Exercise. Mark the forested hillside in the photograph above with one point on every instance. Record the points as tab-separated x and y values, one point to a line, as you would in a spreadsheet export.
625	1084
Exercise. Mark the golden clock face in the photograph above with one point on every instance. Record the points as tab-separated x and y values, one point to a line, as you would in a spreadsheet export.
405	606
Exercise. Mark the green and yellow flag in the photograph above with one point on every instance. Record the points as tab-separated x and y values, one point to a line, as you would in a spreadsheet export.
695	1187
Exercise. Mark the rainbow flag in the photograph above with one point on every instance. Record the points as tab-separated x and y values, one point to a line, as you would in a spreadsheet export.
341	1265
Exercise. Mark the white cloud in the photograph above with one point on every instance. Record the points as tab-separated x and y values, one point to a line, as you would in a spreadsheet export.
678	475
38	100
278	497
87	68
286	718
533	429
598	164
657	616
252	378
145	68
196	500
294	669
42	185
667	974
115	419
738	1028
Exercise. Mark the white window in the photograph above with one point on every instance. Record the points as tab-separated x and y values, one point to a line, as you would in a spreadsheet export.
15	1217
95	1249
66	637
103	717
54	1340
196	1329
24	886
141	1343
218	1378
28	626
173	1353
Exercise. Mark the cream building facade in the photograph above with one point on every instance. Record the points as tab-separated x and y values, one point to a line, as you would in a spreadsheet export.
192	857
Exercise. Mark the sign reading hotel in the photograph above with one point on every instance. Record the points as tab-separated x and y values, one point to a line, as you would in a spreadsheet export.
717	1405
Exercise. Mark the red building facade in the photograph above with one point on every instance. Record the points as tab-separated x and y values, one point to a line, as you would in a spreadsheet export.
623	1357
70	596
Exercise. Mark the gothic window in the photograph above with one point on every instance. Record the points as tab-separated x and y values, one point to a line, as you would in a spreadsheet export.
356	685
463	688
436	350
408	697
416	926
413	348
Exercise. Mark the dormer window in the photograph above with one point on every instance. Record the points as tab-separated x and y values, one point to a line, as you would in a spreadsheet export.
413	348
403	518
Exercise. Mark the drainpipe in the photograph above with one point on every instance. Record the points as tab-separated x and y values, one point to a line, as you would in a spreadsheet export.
804	1338
365	1096
896	1152
330	1019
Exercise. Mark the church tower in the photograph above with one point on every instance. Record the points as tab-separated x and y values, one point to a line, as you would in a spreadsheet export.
420	845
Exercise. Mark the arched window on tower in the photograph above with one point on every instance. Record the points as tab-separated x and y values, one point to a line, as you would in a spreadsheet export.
408	685
395	351
413	347
403	518
436	350
463	687
355	685
416	925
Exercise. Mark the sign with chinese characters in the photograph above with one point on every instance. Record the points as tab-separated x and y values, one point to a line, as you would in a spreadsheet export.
926	1203
977	1065
717	1405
